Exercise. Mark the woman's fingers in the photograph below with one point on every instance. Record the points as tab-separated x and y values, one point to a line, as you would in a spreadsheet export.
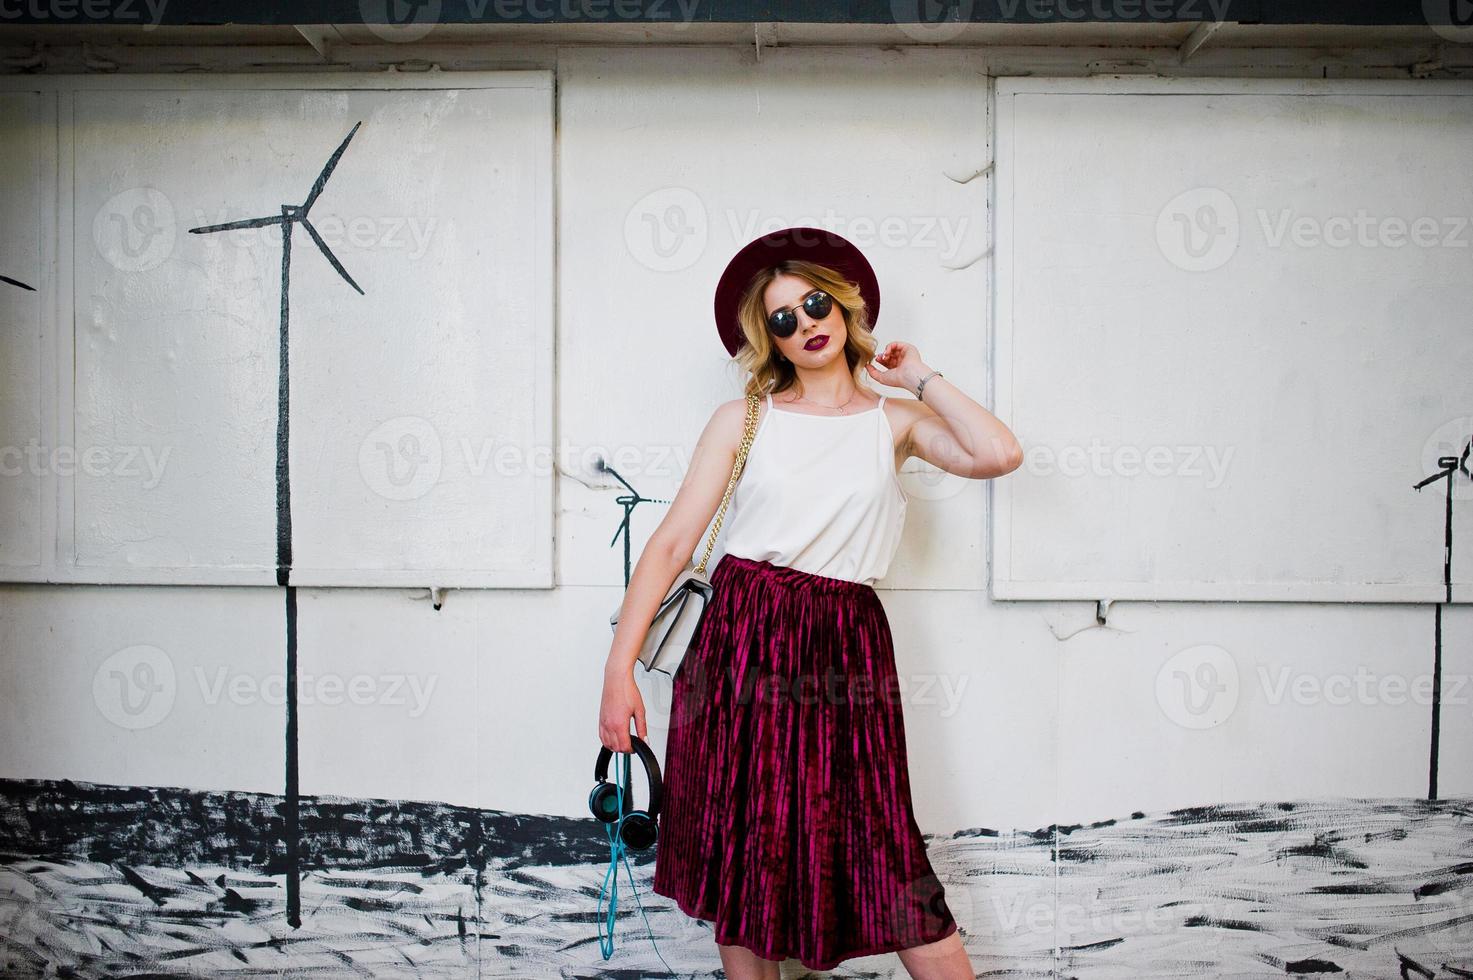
610	737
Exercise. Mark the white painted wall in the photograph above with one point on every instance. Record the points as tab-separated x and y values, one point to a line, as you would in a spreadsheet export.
1030	713
413	403
1231	376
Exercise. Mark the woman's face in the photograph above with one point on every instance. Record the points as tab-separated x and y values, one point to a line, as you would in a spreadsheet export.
815	342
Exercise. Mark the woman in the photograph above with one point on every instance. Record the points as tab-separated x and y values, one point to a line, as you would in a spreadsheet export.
787	820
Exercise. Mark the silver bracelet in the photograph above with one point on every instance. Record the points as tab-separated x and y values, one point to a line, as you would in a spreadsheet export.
920	387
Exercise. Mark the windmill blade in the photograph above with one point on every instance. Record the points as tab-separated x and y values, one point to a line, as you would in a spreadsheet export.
328	169
322	246
1446	474
274	219
17	282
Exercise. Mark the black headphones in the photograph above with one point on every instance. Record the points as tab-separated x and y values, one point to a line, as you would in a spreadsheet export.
639	828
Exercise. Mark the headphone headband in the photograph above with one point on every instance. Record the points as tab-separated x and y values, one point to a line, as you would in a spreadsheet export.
651	770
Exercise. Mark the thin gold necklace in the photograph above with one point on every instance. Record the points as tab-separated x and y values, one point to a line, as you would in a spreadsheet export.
836	408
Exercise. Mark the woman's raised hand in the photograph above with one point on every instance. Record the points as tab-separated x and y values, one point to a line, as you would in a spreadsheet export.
899	365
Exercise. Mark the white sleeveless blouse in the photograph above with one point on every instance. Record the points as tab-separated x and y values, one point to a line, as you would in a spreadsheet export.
819	493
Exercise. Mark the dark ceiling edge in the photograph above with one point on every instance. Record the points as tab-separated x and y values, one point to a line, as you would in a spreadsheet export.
424	14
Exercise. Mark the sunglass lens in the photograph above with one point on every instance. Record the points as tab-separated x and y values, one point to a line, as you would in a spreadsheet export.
783	323
818	305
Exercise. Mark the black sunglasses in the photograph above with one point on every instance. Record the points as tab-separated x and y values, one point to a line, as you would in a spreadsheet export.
817	304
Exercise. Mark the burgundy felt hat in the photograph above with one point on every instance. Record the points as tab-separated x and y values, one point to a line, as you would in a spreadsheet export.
811	244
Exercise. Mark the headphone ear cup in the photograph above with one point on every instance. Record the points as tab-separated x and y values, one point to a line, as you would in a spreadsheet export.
603	802
639	831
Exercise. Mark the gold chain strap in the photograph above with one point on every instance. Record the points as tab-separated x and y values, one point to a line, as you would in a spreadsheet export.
748	432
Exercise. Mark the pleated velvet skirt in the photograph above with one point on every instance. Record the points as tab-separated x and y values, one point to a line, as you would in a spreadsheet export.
787	820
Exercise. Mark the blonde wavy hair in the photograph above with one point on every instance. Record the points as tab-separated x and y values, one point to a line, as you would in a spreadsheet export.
766	370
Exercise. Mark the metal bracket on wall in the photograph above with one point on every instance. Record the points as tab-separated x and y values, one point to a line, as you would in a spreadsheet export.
414	66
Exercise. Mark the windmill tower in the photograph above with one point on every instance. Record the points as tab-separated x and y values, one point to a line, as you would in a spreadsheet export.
1448	467
291	215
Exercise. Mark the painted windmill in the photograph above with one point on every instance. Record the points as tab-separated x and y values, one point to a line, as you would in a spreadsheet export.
291	215
629	501
1448	468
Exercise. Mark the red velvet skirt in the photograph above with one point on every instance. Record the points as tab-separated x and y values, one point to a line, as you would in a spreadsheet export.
787	821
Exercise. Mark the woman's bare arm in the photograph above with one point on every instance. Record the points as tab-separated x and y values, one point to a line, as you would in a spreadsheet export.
674	542
947	429
954	433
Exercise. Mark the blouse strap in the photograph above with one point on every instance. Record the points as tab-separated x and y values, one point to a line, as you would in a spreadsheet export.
769	400
881	406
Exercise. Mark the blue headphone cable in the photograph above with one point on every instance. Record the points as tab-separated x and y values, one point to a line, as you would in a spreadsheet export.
618	852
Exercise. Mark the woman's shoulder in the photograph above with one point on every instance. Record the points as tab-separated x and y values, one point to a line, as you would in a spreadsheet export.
729	420
738	407
734	412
